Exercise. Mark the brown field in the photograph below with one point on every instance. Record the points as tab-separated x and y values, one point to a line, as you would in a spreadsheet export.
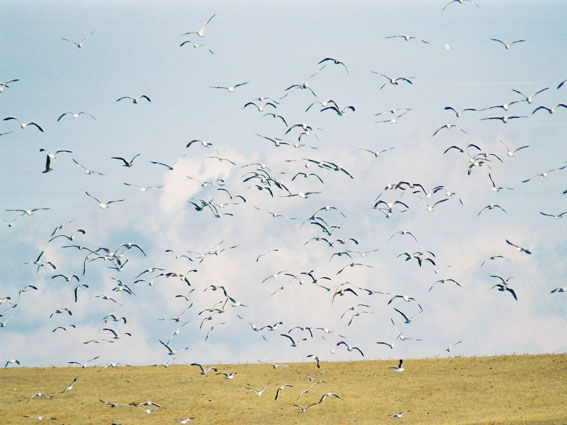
519	389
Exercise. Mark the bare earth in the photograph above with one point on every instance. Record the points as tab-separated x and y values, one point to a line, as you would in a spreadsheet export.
515	390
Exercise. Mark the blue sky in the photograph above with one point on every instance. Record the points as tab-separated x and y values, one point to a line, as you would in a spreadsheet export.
134	49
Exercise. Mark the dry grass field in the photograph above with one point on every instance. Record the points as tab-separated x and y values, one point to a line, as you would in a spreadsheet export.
521	389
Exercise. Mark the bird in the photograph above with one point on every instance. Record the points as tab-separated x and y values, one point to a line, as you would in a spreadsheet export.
75	115
135	100
458	113
328	394
232	88
399	367
24	124
505	118
227	375
529	99
280	388
293	343
201	32
258	392
335	61
550	110
12	361
559	290
443	281
70	386
204	143
86	170
195	45
349	348
407	37
79	44
512	152
304	409
28	212
125	162
4	84
448	126
393	81
51	156
41	395
103	205
518	248
171	351
503	287
400	414
204	370
491	207
340	112
261	106
507	45
555	216
459	2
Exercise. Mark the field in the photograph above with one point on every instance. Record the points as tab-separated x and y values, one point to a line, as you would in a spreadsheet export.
518	389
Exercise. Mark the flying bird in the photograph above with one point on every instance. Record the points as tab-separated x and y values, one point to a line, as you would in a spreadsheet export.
103	205
201	32
24	124
230	89
335	61
79	44
507	45
518	248
135	100
74	115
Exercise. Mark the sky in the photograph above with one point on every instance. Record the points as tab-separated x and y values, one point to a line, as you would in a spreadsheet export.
202	274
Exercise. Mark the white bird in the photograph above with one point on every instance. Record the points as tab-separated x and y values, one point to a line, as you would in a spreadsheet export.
280	389
4	84
74	115
232	88
529	99
135	100
201	32
204	370
70	386
507	45
258	392
227	375
103	205
399	367
126	163
12	361
24	124
400	414
79	44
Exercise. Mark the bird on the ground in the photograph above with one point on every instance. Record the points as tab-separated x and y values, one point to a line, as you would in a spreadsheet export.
400	414
399	367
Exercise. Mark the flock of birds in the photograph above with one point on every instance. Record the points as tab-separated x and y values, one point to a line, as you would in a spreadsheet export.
323	232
